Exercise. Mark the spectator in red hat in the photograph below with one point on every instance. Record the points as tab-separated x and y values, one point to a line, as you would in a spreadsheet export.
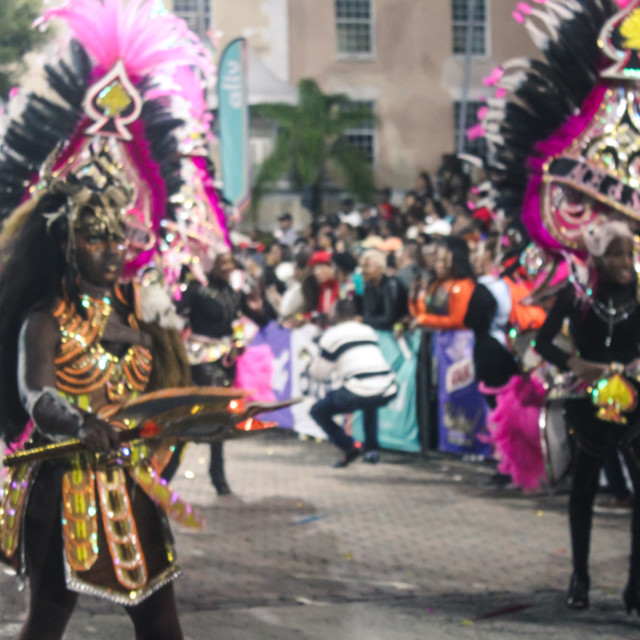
328	284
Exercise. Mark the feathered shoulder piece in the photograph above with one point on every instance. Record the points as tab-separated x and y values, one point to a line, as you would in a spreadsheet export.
564	131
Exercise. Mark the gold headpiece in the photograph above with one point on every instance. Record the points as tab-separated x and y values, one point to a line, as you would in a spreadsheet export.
97	182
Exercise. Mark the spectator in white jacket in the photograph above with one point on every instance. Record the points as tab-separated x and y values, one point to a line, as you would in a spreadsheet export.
349	350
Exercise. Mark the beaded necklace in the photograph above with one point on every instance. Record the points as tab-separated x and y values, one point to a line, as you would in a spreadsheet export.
608	313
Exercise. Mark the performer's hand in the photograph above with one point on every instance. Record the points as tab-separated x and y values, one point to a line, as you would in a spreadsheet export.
633	368
98	435
587	370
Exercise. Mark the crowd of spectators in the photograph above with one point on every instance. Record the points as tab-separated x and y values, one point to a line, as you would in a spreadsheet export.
434	259
407	262
411	261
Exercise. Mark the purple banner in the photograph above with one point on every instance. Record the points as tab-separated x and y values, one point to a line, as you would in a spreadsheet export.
279	340
462	409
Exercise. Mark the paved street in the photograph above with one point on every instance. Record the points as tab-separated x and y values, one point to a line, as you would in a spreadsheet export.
404	550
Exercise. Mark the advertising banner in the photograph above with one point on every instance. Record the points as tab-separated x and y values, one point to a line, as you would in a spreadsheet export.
398	421
462	409
233	123
461	406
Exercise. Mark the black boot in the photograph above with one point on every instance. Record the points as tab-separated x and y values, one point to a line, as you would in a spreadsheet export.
578	592
631	594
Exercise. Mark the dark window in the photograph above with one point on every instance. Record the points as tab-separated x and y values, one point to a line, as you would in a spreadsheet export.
460	10
353	26
364	136
196	13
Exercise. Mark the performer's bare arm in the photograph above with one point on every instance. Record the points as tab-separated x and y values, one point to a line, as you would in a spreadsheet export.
52	413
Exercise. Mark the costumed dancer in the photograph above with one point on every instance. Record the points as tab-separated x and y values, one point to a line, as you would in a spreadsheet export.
604	321
86	177
84	349
564	135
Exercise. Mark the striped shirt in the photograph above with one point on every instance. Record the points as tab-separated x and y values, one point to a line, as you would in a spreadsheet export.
350	350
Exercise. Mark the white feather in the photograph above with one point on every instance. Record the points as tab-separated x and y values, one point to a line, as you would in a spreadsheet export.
156	306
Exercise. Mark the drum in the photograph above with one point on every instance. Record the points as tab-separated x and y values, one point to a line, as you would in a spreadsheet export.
554	439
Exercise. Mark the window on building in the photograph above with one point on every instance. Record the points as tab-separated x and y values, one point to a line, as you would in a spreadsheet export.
364	136
461	13
353	25
196	13
477	147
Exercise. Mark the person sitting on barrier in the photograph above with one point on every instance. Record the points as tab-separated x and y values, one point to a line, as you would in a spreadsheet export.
604	317
349	350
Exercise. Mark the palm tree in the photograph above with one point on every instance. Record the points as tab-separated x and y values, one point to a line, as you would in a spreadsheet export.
17	37
311	146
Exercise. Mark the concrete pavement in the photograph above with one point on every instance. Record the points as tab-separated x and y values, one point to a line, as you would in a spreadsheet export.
406	549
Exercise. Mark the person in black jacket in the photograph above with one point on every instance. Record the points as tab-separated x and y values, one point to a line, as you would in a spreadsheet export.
384	301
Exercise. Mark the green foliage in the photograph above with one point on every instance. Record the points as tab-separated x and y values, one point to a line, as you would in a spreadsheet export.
17	37
311	145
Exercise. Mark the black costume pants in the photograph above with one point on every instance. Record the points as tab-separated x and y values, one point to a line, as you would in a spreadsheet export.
594	438
215	374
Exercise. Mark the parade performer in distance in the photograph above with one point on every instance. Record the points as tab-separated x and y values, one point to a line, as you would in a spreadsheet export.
564	134
215	312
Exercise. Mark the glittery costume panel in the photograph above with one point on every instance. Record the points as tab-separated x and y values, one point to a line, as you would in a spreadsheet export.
117	542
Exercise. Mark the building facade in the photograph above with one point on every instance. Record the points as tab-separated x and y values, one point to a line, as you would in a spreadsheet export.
406	59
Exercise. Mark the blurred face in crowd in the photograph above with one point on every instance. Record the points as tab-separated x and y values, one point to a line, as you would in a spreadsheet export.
344	230
476	255
429	255
285	223
323	272
325	239
409	200
223	267
442	263
429	208
371	271
274	257
385	230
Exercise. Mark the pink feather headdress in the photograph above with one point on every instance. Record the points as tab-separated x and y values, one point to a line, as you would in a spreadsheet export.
145	92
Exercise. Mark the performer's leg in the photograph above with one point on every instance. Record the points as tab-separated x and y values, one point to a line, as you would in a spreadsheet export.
586	472
50	602
632	591
157	617
614	474
216	469
217	375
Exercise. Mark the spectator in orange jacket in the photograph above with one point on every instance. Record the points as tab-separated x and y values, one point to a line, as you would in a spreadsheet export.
455	280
